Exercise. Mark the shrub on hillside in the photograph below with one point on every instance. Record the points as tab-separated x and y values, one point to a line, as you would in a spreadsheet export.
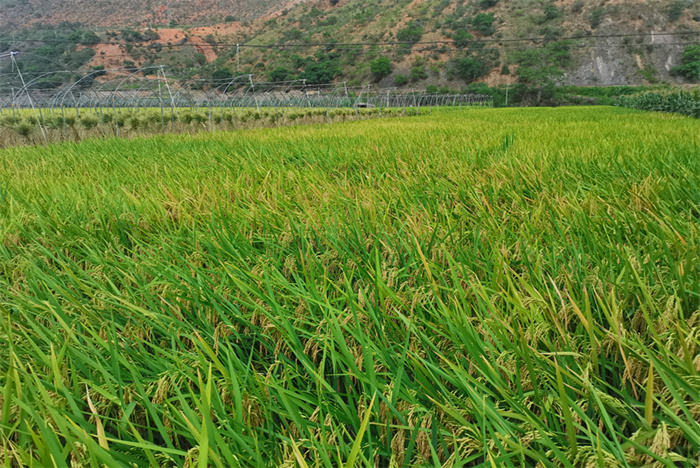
675	10
690	63
597	17
380	67
551	11
418	73
400	80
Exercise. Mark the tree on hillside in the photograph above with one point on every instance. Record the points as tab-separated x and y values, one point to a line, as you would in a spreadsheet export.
466	68
319	73
411	33
222	75
323	70
541	66
279	74
487	3
462	39
380	67
690	63
483	22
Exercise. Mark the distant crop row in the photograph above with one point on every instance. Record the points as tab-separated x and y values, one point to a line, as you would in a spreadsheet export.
678	102
25	126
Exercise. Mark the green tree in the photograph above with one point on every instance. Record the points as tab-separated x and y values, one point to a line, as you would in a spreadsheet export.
323	70
279	74
89	38
690	63
487	3
200	58
551	11
222	75
411	33
292	35
462	39
541	66
466	68
483	22
299	62
380	67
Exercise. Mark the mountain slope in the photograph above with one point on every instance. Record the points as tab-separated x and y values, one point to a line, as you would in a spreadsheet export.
616	42
410	43
111	13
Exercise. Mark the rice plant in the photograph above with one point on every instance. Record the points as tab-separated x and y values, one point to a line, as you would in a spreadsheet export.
501	287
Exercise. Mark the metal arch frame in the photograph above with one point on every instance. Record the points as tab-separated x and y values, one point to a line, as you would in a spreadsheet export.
183	86
229	83
27	86
140	70
147	85
61	68
222	93
65	92
249	76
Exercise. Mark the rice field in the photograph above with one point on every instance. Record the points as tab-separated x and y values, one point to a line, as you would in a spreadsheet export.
491	287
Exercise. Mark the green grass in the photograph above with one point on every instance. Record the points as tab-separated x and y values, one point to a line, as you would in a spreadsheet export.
496	287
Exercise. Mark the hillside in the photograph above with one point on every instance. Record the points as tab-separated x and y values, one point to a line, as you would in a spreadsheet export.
22	13
418	44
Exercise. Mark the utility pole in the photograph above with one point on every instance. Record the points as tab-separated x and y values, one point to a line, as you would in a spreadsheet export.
238	57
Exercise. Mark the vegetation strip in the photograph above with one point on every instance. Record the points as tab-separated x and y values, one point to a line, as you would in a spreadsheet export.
678	102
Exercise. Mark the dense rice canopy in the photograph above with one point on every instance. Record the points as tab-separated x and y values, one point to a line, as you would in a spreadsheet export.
506	287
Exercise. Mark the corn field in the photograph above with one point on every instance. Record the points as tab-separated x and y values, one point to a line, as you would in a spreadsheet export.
491	287
679	102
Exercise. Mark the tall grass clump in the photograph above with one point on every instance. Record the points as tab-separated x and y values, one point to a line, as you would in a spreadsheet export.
502	287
